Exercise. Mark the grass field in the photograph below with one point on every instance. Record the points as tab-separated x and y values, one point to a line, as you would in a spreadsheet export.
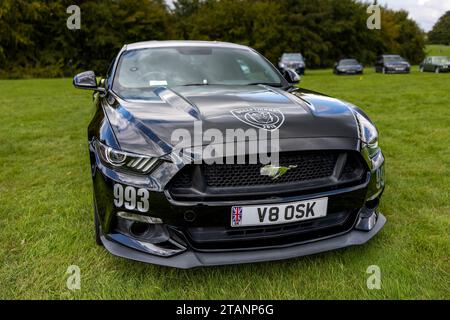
46	205
438	50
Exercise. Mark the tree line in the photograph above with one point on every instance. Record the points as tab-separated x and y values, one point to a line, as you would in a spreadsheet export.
35	42
440	34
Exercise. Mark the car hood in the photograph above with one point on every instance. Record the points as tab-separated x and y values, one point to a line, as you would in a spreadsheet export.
147	126
398	63
293	63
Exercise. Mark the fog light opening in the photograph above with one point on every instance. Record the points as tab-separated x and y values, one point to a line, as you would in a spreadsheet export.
138	229
367	219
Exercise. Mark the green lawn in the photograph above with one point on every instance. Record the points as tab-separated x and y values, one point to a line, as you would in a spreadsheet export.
46	205
438	50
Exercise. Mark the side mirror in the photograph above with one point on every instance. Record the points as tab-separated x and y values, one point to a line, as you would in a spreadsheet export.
291	76
88	81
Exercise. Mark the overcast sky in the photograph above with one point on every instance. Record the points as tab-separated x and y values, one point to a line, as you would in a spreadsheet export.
425	12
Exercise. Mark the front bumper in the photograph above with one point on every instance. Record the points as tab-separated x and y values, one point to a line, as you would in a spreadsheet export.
300	70
191	259
350	71
444	69
394	70
186	251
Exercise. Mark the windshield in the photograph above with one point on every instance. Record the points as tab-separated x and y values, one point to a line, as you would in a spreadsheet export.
441	60
140	71
348	62
292	57
393	59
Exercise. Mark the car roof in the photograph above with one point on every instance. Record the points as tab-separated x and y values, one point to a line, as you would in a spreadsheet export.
182	43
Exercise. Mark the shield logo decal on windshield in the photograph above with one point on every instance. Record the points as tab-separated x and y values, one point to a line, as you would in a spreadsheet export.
269	119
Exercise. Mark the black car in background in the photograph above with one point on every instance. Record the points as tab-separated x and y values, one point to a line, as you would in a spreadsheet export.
161	197
348	66
435	64
392	63
293	61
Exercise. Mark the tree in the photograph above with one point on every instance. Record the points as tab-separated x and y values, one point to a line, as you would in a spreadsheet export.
440	34
34	40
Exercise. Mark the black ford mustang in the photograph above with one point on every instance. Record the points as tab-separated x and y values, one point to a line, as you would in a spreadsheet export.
160	197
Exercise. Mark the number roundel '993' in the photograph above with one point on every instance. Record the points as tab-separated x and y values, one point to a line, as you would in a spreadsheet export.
131	198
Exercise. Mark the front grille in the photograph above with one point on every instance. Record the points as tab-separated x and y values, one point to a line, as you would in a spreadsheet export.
309	166
310	170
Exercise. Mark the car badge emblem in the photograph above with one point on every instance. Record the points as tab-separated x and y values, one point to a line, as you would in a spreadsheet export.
236	214
269	119
275	172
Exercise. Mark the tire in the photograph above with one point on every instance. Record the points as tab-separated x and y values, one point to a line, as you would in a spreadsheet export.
437	70
97	230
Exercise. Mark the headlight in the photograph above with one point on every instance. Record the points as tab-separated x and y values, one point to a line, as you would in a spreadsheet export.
368	133
125	160
282	65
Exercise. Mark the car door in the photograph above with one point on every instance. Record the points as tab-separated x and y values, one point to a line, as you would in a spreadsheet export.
430	65
426	63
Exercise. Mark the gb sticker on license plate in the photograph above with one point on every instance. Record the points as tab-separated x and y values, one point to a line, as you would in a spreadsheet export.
236	216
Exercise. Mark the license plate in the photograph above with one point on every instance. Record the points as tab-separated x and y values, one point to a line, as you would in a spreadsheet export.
260	215
399	69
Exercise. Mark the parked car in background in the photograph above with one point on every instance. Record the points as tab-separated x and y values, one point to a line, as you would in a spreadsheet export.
435	64
392	63
294	61
348	66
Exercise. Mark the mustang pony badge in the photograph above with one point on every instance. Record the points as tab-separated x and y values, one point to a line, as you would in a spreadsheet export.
275	172
269	119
